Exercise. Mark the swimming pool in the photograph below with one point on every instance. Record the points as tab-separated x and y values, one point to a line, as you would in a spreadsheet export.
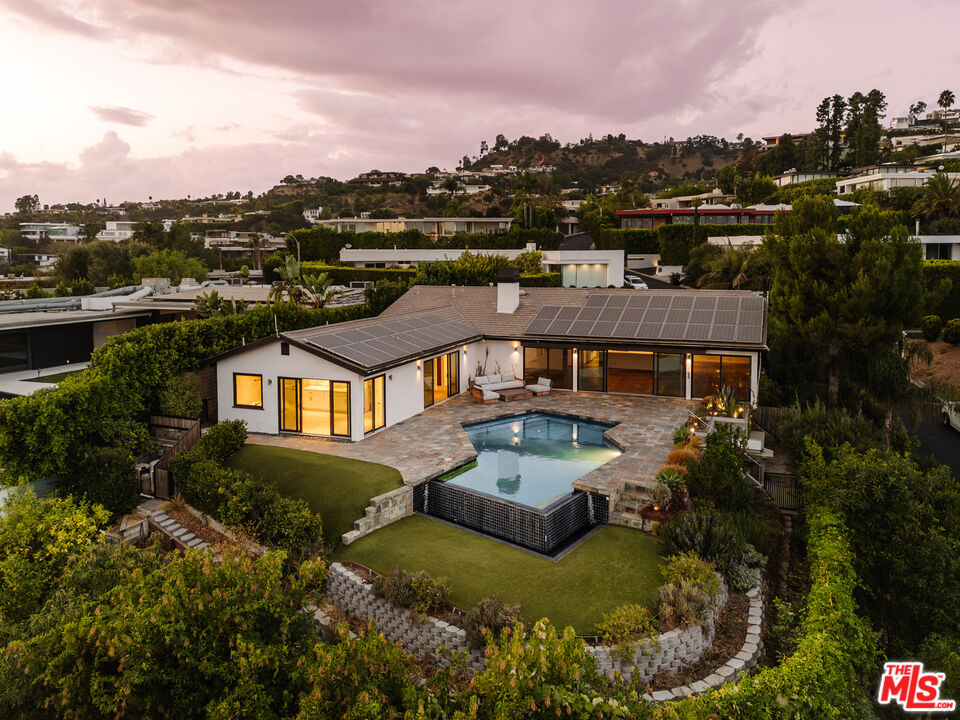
533	459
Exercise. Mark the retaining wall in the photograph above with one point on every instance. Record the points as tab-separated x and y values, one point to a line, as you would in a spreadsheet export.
382	510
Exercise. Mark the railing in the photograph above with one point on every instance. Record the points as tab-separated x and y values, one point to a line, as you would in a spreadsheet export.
785	491
162	482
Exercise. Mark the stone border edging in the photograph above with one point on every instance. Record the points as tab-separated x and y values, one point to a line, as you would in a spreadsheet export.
678	648
382	510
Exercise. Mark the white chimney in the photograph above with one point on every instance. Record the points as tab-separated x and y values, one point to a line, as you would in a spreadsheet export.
508	289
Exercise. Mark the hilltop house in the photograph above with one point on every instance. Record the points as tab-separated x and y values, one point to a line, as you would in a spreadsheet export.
351	379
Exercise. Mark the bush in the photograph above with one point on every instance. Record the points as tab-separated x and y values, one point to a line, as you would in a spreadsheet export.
942	277
951	333
753	557
718	475
691	568
180	396
106	476
223	440
742	577
828	427
683	604
671	477
705	533
489	614
661	496
930	326
625	626
418	591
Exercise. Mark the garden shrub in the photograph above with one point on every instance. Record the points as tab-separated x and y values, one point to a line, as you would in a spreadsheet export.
742	577
690	567
718	475
106	476
671	477
930	326
682	456
418	591
705	533
951	333
624	626
661	496
683	604
180	396
753	557
223	440
828	427
489	614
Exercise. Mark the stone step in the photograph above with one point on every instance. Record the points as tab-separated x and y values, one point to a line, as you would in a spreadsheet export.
626	520
636	488
629	505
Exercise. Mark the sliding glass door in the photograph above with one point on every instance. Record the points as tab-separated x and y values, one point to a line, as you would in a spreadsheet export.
553	363
441	378
315	407
374	414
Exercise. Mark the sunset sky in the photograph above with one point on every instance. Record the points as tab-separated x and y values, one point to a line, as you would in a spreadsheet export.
121	100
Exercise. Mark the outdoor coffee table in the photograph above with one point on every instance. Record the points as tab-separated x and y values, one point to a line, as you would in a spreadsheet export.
514	394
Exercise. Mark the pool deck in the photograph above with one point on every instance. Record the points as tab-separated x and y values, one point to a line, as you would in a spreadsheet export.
433	442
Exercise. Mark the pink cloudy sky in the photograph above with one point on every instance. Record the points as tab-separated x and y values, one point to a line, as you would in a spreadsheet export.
167	97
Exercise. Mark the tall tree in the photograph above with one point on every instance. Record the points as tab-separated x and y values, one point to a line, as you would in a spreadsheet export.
863	131
831	113
940	197
27	204
861	291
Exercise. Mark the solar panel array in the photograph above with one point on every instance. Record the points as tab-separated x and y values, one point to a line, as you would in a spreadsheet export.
379	343
650	316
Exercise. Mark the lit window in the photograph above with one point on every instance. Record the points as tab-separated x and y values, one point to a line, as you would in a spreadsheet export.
247	390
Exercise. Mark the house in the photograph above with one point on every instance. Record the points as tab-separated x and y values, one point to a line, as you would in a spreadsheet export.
940	247
578	266
352	379
652	218
117	230
375	178
714	197
311	215
774	140
36	232
795	176
887	178
433	227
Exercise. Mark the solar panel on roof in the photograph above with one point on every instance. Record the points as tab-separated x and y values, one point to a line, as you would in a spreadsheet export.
751	317
705	302
725	317
723	333
581	327
751	334
625	330
597	300
751	304
617	300
632	315
559	327
682	302
655	315
539	326
568	313
698	332
640	300
548	311
589	313
602	329
650	331
610	314
701	316
678	316
673	331
728	303
660	301
326	341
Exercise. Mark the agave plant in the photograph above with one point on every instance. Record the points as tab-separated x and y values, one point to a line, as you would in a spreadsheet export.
670	477
724	403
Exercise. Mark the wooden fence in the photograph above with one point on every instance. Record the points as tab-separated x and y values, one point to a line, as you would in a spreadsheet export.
162	482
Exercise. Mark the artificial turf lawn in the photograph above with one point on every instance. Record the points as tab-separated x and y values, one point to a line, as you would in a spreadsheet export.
337	488
614	566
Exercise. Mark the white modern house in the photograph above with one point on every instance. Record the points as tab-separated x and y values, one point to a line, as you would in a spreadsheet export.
580	268
428	226
116	230
311	215
940	247
57	232
888	177
352	379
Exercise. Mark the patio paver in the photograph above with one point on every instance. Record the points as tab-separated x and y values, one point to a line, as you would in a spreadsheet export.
433	442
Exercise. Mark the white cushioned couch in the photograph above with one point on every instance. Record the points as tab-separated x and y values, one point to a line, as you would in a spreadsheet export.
486	388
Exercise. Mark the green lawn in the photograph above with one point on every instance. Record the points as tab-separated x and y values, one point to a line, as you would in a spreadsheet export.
55	378
337	488
614	566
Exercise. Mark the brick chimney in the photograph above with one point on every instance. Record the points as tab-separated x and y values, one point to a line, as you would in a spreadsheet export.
508	289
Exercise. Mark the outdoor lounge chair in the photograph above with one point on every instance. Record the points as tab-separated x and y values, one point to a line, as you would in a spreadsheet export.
541	387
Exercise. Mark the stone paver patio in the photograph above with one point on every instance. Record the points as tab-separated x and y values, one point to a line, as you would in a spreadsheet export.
432	443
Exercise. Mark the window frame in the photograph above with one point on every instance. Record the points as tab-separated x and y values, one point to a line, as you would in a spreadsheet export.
247	374
373	384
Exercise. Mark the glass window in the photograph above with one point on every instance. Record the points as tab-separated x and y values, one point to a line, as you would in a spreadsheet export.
454	373
373	405
534	364
441	378
289	405
630	371
593	365
712	372
560	367
427	383
315	406
13	350
670	375
341	408
247	390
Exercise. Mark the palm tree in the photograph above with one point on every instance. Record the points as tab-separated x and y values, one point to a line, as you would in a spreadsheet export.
451	184
941	196
289	274
738	269
256	244
316	287
945	101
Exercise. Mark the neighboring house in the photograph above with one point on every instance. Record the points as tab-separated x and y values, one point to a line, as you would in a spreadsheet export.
887	178
652	218
428	226
311	215
462	189
927	140
578	266
795	176
41	260
375	178
6	255
117	230
55	232
351	379
774	140
940	247
714	197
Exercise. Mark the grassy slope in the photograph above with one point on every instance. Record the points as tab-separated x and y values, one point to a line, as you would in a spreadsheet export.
613	567
337	488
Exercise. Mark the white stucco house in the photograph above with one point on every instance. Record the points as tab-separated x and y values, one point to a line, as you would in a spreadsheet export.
348	380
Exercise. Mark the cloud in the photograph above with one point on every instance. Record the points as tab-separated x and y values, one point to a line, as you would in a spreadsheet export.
121	115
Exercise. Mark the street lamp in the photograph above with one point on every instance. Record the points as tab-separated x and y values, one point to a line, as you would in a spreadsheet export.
599	206
297	241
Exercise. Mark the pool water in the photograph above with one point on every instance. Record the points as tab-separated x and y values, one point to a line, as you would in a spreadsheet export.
533	459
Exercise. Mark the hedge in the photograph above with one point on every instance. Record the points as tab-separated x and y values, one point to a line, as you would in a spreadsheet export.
345	274
548	279
934	272
672	241
42	435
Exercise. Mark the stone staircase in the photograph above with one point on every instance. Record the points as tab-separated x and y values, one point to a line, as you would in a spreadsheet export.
175	530
632	499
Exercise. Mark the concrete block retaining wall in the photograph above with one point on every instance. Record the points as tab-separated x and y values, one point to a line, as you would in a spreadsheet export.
350	592
677	648
382	510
